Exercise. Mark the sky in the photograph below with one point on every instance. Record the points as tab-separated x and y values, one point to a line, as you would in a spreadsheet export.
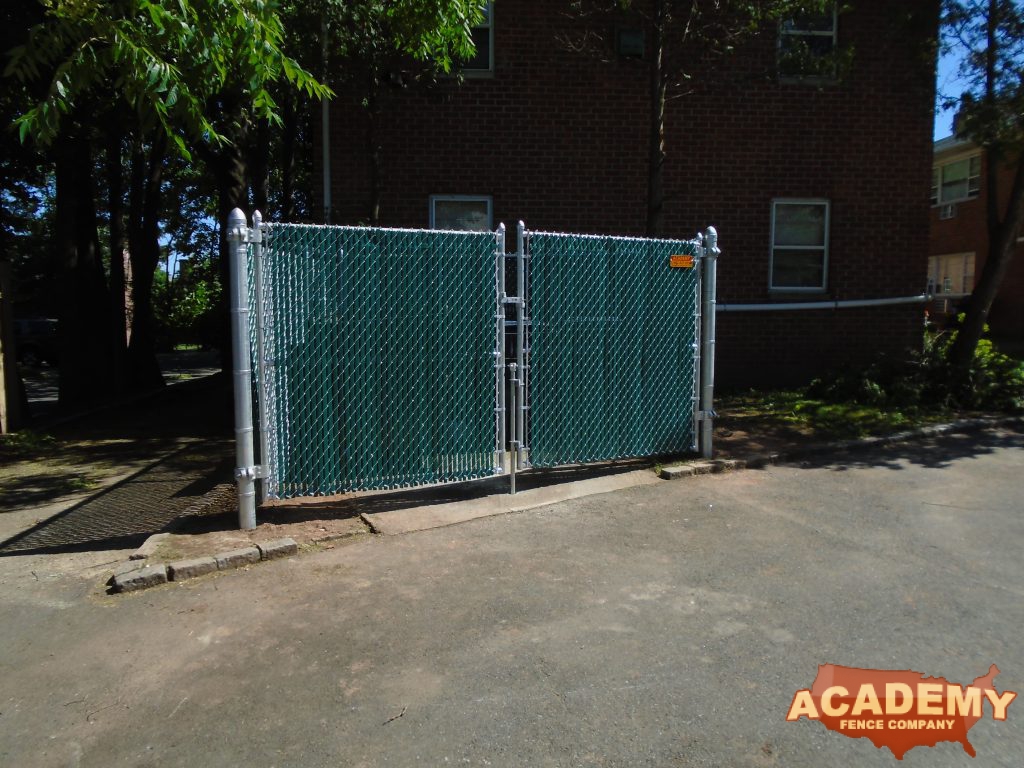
947	83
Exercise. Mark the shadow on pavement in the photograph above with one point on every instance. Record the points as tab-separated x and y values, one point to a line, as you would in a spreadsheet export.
74	468
129	512
148	430
931	453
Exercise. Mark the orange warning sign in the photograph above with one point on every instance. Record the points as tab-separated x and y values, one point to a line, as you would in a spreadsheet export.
680	262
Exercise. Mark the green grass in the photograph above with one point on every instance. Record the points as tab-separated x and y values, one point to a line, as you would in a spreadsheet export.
825	419
25	443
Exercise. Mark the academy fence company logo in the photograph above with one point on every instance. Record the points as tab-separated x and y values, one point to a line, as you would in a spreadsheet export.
898	709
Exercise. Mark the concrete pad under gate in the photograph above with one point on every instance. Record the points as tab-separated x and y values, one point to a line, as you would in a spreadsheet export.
399	521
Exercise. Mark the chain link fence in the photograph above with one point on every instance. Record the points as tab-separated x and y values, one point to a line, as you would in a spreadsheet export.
613	358
375	357
379	356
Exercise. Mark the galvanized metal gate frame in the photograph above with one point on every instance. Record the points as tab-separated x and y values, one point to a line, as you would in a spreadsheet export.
511	377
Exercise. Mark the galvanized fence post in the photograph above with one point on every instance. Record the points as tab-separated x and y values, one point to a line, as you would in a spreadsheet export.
522	349
245	469
697	308
499	350
707	358
261	368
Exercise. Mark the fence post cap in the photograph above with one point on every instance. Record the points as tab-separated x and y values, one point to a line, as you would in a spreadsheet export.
712	240
236	220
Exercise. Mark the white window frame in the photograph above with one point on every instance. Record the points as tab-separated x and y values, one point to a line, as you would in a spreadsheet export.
489	26
833	34
434	199
936	283
823	248
937	173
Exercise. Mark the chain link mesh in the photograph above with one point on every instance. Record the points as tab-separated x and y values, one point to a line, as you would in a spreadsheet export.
379	355
612	355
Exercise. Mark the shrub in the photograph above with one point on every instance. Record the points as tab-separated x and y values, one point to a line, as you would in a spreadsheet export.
927	380
993	381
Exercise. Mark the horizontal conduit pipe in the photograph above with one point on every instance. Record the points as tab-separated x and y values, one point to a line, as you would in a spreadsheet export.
848	304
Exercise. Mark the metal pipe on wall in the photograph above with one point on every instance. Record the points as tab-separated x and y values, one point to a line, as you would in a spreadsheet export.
845	304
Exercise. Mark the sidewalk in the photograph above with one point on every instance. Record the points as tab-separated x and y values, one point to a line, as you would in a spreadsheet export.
111	478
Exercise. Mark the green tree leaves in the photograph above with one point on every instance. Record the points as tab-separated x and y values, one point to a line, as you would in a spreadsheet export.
166	59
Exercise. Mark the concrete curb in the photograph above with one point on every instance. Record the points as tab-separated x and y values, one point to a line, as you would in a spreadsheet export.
136	575
758	460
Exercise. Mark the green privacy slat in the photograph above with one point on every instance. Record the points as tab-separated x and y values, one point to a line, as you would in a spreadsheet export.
379	348
613	357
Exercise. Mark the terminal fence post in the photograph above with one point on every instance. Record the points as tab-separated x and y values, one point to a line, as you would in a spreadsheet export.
245	469
707	357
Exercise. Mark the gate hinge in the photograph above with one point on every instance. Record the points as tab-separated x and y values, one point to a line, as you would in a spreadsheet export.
257	472
517	300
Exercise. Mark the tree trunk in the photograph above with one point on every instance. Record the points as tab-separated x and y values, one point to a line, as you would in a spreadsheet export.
289	133
1002	247
84	314
656	150
147	175
259	167
231	171
1003	227
115	186
374	148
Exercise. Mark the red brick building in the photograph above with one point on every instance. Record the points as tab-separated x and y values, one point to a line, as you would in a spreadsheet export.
818	186
959	241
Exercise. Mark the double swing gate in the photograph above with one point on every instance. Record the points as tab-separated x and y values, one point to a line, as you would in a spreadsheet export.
373	358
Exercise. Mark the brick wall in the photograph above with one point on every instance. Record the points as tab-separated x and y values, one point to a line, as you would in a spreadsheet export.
559	139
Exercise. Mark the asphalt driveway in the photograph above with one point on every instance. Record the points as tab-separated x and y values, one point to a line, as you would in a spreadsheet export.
664	625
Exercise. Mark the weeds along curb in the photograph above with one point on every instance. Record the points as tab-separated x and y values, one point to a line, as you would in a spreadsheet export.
757	460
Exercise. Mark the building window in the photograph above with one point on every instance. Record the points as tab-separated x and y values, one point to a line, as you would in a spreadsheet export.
951	274
799	260
630	43
482	63
460	212
807	45
956	181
